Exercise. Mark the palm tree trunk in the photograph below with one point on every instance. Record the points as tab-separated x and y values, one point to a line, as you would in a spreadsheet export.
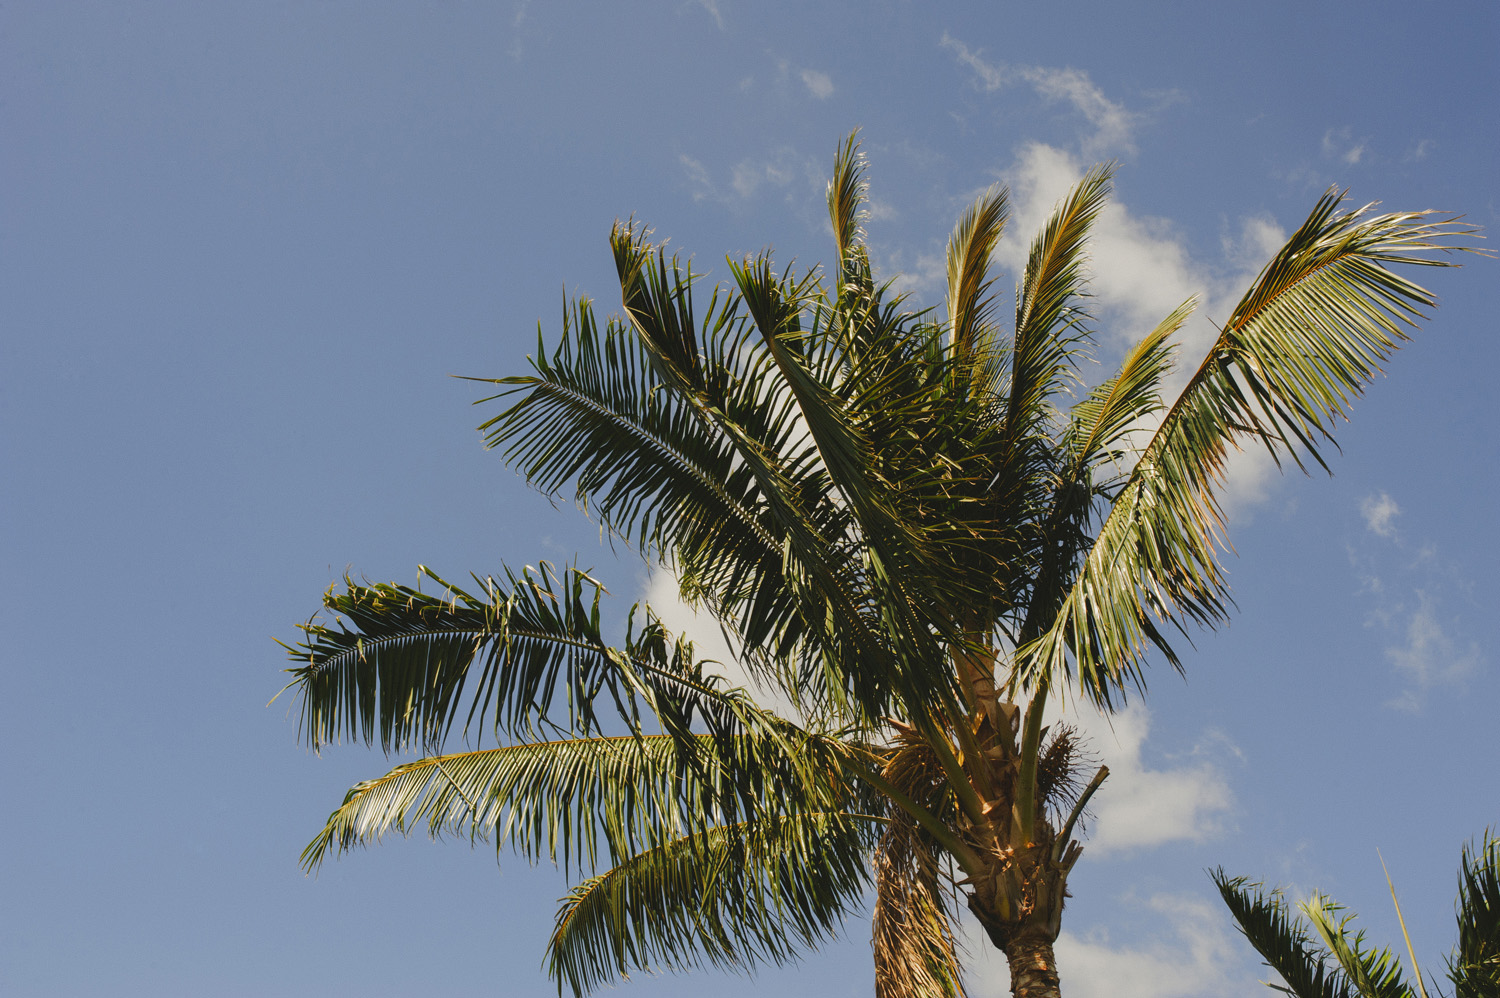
1033	970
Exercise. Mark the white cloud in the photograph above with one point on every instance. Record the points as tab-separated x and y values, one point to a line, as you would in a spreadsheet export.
1380	513
820	85
1192	951
1139	806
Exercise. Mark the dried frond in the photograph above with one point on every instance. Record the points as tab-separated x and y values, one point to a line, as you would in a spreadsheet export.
916	954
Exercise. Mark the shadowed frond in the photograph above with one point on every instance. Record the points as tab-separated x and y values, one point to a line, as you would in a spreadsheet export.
525	659
1304	341
731	898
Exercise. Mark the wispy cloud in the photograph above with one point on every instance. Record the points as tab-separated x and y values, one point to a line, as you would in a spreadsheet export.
712	7
819	84
784	171
1427	649
1419	150
1340	144
1428	655
699	181
1112	125
1380	511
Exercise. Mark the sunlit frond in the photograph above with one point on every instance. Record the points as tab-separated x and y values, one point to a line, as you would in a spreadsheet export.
1303	342
916	953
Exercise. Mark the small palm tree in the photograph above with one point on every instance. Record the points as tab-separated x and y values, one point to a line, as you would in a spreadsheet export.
900	527
1367	972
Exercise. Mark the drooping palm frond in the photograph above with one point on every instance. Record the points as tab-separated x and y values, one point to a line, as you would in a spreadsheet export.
1281	940
1298	348
916	952
525	659
728	897
572	801
1474	968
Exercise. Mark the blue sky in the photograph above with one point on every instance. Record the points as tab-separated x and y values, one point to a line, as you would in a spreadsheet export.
243	248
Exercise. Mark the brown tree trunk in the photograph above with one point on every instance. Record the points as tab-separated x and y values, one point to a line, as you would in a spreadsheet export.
1033	971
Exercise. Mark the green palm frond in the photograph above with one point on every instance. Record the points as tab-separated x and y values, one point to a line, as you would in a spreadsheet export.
1296	350
1475	968
728	897
1281	940
394	668
1374	973
1101	422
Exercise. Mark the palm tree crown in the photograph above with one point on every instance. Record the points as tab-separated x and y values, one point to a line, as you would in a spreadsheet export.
901	526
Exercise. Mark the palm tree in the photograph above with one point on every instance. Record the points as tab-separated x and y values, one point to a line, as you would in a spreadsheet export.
1364	971
899	525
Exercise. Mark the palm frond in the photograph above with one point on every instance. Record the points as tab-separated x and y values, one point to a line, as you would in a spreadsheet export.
1474	968
524	659
570	801
1099	424
916	953
1281	940
1047	304
656	470
731	898
1374	973
1301	344
847	192
970	305
398	676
